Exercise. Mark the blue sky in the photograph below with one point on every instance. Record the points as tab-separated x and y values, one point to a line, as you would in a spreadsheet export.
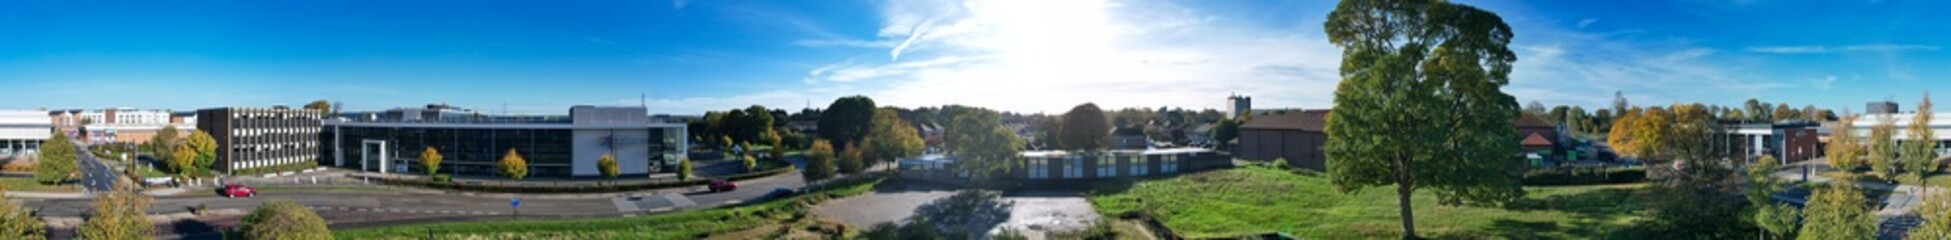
1031	56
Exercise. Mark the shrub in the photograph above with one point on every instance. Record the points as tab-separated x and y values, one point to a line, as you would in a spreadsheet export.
276	169
1582	176
441	178
283	220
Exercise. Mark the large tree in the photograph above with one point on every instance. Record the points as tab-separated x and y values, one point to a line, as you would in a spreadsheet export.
820	161
204	148
1084	128
162	146
1776	220
1882	148
1420	105
283	220
1225	130
1936	215
982	143
1918	156
118	214
1844	150
55	163
891	139
1837	212
847	120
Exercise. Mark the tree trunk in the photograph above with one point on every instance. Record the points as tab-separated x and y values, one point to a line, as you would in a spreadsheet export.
1405	184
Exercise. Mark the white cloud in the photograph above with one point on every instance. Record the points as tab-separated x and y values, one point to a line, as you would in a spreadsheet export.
1826	83
1582	23
1846	48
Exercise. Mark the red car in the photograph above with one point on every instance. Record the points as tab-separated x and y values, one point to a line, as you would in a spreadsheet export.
239	190
720	185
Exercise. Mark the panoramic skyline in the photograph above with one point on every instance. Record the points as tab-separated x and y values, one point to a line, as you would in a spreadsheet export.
686	57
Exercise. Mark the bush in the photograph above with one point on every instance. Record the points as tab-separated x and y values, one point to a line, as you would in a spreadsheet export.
1583	176
18	165
277	169
441	178
283	220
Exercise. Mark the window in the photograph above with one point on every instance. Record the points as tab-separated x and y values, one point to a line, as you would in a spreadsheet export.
1170	164
1039	168
1075	166
1107	166
1137	165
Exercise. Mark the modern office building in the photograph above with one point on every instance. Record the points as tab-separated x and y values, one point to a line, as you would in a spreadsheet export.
473	144
261	137
23	131
1787	141
1940	126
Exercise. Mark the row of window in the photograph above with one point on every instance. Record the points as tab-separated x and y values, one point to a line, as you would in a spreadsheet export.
1107	166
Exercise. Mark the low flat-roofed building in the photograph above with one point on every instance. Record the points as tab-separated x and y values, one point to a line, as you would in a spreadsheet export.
555	146
23	131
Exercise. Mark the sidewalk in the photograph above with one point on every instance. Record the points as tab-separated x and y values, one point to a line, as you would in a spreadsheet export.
47	195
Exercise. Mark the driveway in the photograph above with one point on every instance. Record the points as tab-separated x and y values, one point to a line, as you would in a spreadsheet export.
1034	213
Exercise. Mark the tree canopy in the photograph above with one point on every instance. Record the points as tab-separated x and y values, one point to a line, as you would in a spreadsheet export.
891	138
430	160
1837	212
606	165
205	149
820	161
847	120
283	220
1084	128
983	145
1844	151
56	162
118	214
1918	156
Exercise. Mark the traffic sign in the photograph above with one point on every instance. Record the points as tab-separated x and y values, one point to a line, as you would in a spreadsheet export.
515	202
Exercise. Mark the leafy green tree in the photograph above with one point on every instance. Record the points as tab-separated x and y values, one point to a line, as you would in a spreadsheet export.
1883	148
1419	105
512	165
1918	156
430	160
1936	215
56	161
205	149
850	162
1084	129
891	139
819	161
17	223
683	169
1837	212
1844	150
184	162
162	146
750	163
984	145
118	214
1776	220
1225	131
322	106
847	120
283	220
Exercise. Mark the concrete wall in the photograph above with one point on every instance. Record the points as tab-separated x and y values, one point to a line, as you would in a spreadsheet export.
630	146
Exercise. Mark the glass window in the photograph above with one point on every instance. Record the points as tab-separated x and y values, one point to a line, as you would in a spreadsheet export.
1107	166
1074	168
1137	163
1039	168
1170	165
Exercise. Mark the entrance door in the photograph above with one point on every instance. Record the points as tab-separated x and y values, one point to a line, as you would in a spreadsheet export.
373	155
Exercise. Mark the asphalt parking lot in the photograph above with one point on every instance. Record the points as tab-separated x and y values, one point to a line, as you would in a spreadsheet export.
1032	212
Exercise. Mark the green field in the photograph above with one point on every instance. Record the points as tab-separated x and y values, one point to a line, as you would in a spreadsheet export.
1257	200
29	185
678	225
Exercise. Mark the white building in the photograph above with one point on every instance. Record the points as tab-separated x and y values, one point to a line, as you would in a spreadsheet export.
23	131
1940	128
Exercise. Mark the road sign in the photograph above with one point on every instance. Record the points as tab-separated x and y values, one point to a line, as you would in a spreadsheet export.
514	202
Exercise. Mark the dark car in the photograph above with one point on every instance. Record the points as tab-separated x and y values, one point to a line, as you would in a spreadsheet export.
238	190
720	185
777	193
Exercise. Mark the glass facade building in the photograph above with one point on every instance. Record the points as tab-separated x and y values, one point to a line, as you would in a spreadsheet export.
474	147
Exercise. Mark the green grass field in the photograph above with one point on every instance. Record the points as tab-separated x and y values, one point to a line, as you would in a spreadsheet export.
1256	200
679	225
29	185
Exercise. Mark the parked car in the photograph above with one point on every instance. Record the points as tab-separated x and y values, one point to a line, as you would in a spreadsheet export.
777	193
236	190
720	185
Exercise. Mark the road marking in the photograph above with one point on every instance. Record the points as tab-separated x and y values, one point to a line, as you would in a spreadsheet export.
679	200
624	205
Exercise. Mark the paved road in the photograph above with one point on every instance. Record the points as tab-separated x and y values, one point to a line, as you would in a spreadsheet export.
1032	212
95	176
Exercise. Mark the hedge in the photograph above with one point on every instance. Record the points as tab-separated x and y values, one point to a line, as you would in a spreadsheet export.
1583	176
423	182
301	166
